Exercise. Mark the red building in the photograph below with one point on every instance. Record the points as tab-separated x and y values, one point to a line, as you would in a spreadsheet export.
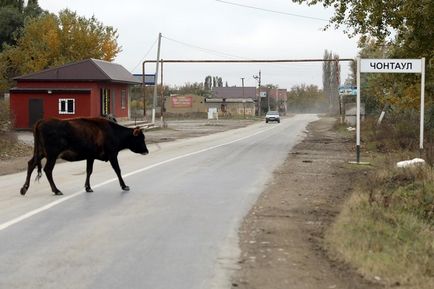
88	88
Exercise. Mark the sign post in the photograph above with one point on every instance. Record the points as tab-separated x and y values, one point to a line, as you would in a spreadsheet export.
422	102
390	66
358	112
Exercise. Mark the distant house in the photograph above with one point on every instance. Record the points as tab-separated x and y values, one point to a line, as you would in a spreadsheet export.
233	100
279	99
87	88
246	92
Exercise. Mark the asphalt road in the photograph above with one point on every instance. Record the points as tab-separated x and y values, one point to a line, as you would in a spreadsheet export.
176	228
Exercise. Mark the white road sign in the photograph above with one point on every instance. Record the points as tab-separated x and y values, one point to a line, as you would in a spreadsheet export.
391	65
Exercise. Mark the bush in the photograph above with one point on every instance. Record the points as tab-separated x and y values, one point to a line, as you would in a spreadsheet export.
5	117
398	131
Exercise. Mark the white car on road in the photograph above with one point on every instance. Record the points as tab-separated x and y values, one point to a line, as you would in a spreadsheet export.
272	116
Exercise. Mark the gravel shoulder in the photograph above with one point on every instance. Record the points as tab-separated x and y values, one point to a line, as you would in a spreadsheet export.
281	238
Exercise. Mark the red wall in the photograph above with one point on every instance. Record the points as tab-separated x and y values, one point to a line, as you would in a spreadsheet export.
86	104
19	103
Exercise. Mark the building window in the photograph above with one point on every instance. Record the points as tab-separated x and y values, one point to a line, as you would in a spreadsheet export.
123	99
66	106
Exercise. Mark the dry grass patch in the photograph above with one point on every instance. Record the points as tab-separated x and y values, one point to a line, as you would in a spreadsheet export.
386	229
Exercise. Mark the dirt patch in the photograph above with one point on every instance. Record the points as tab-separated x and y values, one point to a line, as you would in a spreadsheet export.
281	238
178	129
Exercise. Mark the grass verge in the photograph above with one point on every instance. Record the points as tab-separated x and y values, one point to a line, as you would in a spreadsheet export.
386	228
391	246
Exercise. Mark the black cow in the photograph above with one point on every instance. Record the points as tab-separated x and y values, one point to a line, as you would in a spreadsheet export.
81	139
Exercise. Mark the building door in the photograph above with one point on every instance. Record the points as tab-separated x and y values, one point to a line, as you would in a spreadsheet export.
36	110
113	102
105	102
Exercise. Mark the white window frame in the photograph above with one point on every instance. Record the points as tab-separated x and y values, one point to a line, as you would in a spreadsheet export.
66	110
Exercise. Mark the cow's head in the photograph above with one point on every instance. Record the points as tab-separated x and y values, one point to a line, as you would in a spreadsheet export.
137	142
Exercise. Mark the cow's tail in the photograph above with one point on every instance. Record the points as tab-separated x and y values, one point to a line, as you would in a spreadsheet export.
37	150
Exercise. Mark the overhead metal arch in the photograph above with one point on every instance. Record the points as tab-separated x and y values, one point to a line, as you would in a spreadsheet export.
162	61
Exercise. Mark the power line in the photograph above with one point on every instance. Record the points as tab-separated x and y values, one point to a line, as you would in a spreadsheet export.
272	11
144	57
251	60
210	51
218	53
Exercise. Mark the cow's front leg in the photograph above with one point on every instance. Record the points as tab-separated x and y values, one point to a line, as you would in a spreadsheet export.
115	166
89	170
30	167
48	169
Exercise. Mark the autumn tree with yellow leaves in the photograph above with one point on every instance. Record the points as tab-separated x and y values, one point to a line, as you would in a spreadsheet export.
389	29
51	40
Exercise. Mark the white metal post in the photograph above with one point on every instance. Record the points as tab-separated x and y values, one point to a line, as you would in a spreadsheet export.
154	102
422	102
358	113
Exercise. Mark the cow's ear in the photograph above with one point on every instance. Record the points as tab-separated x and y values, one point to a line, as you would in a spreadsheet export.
137	131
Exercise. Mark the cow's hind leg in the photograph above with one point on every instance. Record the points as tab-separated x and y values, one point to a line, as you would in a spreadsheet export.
48	169
89	169
115	165
31	164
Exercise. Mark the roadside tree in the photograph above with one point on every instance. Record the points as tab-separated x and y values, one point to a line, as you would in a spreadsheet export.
392	29
52	40
12	16
331	79
307	98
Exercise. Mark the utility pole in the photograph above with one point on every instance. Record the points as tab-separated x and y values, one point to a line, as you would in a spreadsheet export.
268	98
260	100
244	100
163	99
154	101
258	78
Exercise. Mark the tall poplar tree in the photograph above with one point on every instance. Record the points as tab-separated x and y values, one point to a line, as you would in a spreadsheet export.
331	79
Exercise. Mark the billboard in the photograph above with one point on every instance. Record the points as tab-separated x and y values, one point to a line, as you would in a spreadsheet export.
182	101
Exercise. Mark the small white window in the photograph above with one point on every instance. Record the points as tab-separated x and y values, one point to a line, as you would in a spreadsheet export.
66	106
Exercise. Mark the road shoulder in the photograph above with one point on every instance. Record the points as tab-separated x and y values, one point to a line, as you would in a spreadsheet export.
281	238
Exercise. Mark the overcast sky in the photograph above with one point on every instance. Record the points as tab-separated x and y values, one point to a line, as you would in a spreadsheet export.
210	29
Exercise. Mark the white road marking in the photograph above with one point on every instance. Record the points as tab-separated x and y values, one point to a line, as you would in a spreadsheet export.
64	199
